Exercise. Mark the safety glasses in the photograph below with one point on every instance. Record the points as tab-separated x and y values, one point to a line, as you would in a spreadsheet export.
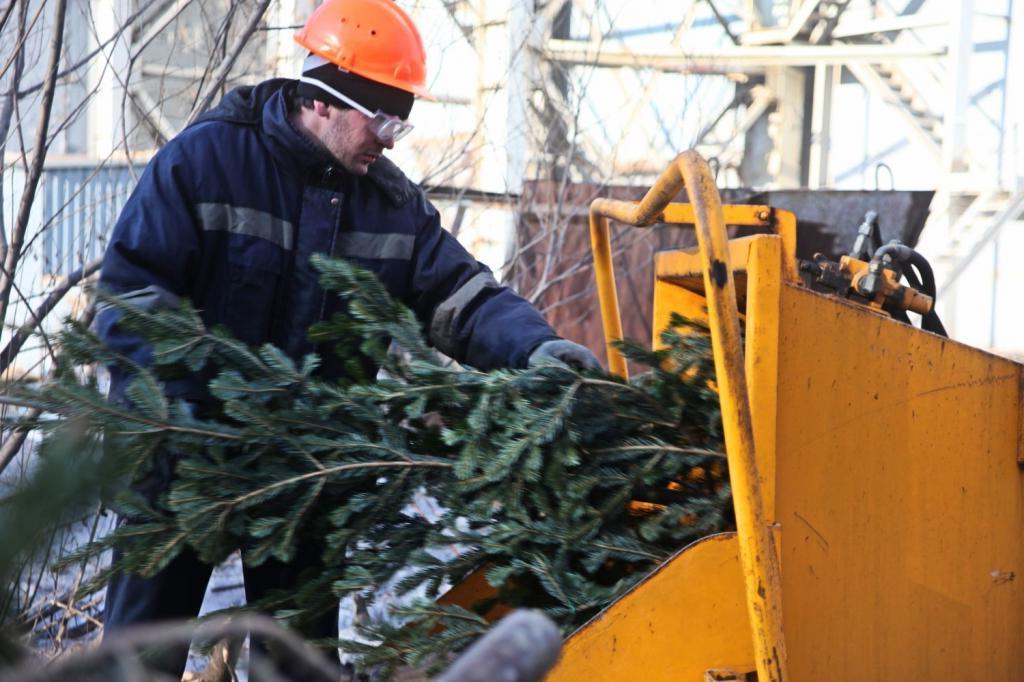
387	127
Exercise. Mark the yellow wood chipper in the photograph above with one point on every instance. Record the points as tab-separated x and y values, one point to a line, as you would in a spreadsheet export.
875	470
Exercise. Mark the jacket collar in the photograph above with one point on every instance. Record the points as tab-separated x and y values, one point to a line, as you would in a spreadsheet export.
265	106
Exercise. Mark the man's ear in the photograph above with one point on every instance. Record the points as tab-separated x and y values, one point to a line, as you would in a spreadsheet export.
322	109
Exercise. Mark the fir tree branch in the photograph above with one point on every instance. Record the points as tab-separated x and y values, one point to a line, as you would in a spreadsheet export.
159	427
660	447
333	470
629	550
103	407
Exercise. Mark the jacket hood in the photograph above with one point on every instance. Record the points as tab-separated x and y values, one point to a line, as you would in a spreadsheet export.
244	105
264	106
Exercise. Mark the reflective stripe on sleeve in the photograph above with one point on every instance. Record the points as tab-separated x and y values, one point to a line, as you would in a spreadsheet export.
375	245
248	221
442	325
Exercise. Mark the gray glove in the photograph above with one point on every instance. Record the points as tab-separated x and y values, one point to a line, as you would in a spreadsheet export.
564	353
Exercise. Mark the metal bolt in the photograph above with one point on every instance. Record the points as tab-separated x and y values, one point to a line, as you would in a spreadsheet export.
762	215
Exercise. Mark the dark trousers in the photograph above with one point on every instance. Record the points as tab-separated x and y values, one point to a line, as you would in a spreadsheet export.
177	593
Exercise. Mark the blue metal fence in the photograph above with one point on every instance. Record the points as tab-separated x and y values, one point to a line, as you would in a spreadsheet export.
79	207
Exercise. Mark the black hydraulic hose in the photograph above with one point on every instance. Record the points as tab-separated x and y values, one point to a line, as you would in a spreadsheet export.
899	315
913	279
927	276
922	281
930	322
901	253
909	260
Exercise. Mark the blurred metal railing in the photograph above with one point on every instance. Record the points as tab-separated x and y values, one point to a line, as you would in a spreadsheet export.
79	207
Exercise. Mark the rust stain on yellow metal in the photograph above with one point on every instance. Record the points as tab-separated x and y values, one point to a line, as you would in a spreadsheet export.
757	553
687	617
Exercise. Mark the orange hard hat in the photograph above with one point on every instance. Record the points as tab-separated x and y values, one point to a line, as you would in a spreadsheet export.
374	39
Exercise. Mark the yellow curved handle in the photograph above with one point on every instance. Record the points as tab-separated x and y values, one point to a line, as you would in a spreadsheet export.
757	549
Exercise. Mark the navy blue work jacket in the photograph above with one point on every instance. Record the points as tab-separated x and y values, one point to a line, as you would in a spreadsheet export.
229	212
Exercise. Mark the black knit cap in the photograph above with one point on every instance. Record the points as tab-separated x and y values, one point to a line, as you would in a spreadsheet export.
370	94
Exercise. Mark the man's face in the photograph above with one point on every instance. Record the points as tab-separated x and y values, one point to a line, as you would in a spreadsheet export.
350	138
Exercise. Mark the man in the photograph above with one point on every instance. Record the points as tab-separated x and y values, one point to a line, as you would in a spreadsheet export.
230	211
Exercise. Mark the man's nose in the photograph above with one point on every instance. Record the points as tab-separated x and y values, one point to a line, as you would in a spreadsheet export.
388	142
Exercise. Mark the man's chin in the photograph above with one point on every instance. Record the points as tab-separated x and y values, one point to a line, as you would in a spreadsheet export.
357	167
360	165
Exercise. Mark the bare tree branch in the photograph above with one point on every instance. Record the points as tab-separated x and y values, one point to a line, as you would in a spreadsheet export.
37	316
229	61
451	6
87	59
126	646
7	112
7	14
13	254
20	45
723	22
12	445
158	26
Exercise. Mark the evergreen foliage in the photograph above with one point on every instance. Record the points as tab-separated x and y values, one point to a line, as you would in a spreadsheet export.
565	487
63	486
